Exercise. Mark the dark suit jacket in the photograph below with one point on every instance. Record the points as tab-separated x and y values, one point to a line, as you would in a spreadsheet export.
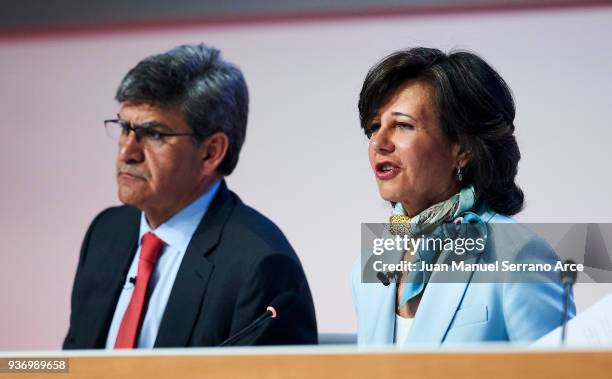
236	264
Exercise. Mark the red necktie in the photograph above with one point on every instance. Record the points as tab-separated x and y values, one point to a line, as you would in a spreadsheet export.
132	318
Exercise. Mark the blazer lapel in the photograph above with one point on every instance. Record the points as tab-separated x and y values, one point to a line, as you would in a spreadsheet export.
381	319
117	256
193	275
439	303
377	315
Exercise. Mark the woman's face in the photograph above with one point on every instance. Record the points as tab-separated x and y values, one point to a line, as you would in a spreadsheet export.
413	161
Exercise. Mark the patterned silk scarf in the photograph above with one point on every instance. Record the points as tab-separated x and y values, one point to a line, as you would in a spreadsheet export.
422	224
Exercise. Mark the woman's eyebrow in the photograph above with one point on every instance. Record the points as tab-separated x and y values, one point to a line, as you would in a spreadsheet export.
403	114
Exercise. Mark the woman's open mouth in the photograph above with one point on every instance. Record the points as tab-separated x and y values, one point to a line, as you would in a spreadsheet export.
386	170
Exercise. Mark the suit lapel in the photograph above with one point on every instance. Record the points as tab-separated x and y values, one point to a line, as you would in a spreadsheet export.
193	275
116	258
439	303
378	314
382	316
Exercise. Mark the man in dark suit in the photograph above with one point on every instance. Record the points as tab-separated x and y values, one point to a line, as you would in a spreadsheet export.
184	262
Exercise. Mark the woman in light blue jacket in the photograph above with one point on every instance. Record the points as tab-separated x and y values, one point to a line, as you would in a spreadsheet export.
443	151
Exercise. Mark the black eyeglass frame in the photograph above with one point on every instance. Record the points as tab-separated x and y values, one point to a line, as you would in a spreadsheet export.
139	130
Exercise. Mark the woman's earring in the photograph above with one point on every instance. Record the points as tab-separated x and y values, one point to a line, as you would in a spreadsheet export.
459	175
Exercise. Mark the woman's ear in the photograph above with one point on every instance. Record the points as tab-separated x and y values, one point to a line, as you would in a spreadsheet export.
213	149
462	155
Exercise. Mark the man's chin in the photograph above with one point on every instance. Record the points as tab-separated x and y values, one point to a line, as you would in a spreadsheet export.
129	199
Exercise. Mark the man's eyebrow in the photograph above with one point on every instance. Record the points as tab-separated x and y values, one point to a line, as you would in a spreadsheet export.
148	124
154	124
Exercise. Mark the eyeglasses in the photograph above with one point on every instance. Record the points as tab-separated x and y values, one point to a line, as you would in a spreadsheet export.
147	133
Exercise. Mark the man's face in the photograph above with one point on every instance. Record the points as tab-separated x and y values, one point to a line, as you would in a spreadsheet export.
163	177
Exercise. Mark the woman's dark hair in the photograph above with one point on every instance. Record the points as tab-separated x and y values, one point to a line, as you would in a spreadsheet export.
475	108
211	93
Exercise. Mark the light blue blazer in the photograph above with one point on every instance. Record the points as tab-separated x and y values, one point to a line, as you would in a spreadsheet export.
469	311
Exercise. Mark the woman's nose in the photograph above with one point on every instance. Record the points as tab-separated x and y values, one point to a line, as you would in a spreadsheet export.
382	142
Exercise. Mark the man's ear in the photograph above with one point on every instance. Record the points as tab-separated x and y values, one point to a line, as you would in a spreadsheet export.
213	149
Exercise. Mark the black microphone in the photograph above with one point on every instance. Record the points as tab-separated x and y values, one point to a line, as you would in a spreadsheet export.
132	280
280	302
385	277
568	278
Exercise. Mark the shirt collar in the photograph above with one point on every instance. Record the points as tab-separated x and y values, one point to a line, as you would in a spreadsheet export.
178	229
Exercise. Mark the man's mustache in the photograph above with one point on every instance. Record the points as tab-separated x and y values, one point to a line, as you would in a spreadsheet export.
131	170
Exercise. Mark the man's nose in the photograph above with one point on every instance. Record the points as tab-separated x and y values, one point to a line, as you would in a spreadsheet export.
382	141
130	148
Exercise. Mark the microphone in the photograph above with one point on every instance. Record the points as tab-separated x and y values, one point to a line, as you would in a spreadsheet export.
386	277
383	277
132	280
568	278
280	302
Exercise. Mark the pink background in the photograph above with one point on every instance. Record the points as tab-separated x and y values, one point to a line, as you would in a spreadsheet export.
304	163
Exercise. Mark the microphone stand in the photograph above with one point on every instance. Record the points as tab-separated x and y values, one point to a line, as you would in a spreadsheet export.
568	278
